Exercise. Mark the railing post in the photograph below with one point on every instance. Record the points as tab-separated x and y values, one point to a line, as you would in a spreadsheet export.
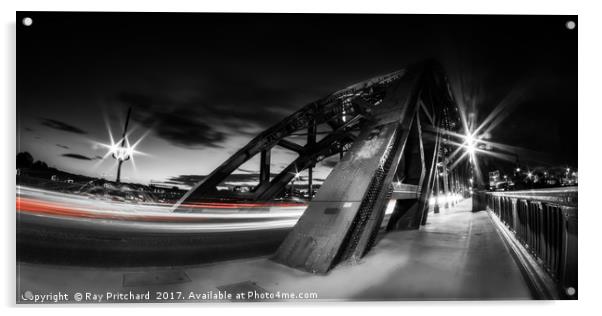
568	277
537	229
514	226
545	224
477	201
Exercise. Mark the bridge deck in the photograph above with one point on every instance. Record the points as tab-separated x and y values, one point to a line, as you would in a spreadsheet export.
457	255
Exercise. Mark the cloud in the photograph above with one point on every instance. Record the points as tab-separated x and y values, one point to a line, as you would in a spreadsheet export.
180	125
247	170
228	106
62	126
184	127
170	182
62	146
81	157
77	156
189	180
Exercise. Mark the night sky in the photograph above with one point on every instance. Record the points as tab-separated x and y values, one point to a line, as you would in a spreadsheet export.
202	85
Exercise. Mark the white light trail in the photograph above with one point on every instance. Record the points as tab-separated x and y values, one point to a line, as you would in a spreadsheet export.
157	216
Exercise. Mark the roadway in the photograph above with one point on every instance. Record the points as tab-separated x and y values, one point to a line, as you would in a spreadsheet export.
61	228
457	255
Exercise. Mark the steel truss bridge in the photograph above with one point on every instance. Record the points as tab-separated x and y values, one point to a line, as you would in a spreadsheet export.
391	134
385	128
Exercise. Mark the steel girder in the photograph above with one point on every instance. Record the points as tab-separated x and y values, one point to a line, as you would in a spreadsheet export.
343	220
394	120
355	103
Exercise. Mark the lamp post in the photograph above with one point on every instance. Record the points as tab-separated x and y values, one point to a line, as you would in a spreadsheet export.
122	153
297	176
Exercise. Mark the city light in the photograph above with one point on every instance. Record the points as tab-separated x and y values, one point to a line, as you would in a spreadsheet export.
443	199
432	200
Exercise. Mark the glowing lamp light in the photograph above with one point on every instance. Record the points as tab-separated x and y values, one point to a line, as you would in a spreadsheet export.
121	153
470	144
443	199
432	200
122	150
469	139
471	149
390	207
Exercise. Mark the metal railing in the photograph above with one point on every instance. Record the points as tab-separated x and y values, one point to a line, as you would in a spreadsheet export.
545	223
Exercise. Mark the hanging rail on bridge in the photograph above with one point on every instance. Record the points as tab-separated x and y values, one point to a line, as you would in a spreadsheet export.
545	222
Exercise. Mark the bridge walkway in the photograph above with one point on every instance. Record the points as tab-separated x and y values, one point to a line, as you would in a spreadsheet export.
457	255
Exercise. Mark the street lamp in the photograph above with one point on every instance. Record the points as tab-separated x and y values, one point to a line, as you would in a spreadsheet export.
297	176
122	152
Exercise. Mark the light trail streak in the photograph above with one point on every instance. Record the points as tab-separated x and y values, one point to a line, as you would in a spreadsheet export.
67	208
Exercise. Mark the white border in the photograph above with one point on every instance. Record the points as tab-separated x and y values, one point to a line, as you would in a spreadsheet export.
589	150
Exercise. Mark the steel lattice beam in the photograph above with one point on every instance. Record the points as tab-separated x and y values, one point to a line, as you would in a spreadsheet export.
343	220
355	101
395	116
